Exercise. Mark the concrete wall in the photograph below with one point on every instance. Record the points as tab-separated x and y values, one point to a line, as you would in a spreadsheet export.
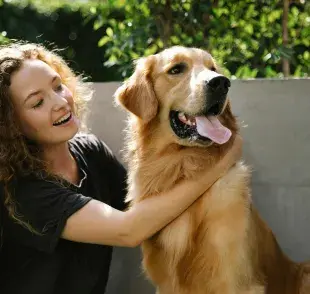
276	119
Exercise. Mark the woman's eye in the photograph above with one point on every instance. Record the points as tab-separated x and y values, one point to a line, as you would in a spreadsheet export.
177	69
38	104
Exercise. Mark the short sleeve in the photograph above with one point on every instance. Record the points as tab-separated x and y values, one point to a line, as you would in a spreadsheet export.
45	206
102	160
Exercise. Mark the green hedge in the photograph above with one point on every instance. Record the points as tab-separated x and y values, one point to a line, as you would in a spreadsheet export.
101	38
64	27
244	36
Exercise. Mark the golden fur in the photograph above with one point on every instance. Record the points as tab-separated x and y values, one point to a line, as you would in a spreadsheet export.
219	245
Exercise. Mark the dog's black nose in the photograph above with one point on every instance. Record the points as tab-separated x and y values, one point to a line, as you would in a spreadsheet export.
219	84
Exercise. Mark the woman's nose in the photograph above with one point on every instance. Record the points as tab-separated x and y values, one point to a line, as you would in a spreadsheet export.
58	101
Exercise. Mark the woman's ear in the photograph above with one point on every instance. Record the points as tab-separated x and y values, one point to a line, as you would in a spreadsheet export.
137	94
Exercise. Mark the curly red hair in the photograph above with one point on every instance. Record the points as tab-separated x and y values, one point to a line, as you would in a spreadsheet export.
17	154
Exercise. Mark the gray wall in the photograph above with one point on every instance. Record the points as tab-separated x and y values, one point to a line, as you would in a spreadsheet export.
275	115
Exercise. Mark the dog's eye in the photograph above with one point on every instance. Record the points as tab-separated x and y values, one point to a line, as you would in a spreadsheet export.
177	69
213	68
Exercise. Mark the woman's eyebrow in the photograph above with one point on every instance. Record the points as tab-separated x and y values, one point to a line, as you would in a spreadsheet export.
38	91
32	94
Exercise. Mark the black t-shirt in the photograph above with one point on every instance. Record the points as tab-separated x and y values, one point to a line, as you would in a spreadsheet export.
45	263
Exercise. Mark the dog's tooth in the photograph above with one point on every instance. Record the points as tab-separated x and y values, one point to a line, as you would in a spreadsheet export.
182	116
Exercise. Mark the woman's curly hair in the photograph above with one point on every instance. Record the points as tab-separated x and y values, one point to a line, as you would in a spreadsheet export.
17	154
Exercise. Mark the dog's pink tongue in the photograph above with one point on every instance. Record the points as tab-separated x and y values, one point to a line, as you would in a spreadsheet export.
212	128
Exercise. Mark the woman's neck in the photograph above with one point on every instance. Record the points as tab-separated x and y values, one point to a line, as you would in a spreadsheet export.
61	162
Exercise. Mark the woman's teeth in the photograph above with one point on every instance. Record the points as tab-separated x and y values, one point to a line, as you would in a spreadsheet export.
63	120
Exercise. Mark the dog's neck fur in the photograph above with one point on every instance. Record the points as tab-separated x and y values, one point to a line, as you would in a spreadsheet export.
144	158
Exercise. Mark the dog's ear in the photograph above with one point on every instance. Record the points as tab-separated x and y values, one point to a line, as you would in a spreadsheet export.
137	94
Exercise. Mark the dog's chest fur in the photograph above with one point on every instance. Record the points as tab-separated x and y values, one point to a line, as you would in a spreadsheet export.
216	211
209	239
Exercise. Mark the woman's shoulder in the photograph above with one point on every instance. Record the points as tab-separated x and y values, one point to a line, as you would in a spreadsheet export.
89	143
91	147
87	140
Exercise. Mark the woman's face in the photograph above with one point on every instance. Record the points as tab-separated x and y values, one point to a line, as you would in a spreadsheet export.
44	106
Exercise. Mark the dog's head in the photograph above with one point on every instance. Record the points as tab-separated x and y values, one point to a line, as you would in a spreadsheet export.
182	91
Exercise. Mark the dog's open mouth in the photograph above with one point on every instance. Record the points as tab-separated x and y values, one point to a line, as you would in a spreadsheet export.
199	127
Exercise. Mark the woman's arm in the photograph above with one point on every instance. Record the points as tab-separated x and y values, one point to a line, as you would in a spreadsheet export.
99	223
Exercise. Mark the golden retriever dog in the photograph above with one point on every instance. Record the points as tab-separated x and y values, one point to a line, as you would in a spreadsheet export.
180	124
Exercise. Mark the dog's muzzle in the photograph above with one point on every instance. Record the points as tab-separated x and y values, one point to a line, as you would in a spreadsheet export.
205	126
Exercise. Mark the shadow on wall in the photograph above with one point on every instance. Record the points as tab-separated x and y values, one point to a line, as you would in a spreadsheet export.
275	118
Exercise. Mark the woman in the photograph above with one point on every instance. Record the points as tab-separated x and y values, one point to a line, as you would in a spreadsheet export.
63	191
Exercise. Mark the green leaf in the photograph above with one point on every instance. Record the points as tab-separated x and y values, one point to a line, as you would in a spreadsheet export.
104	40
109	32
249	28
175	40
121	26
187	6
93	10
298	71
160	44
98	23
269	72
151	50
